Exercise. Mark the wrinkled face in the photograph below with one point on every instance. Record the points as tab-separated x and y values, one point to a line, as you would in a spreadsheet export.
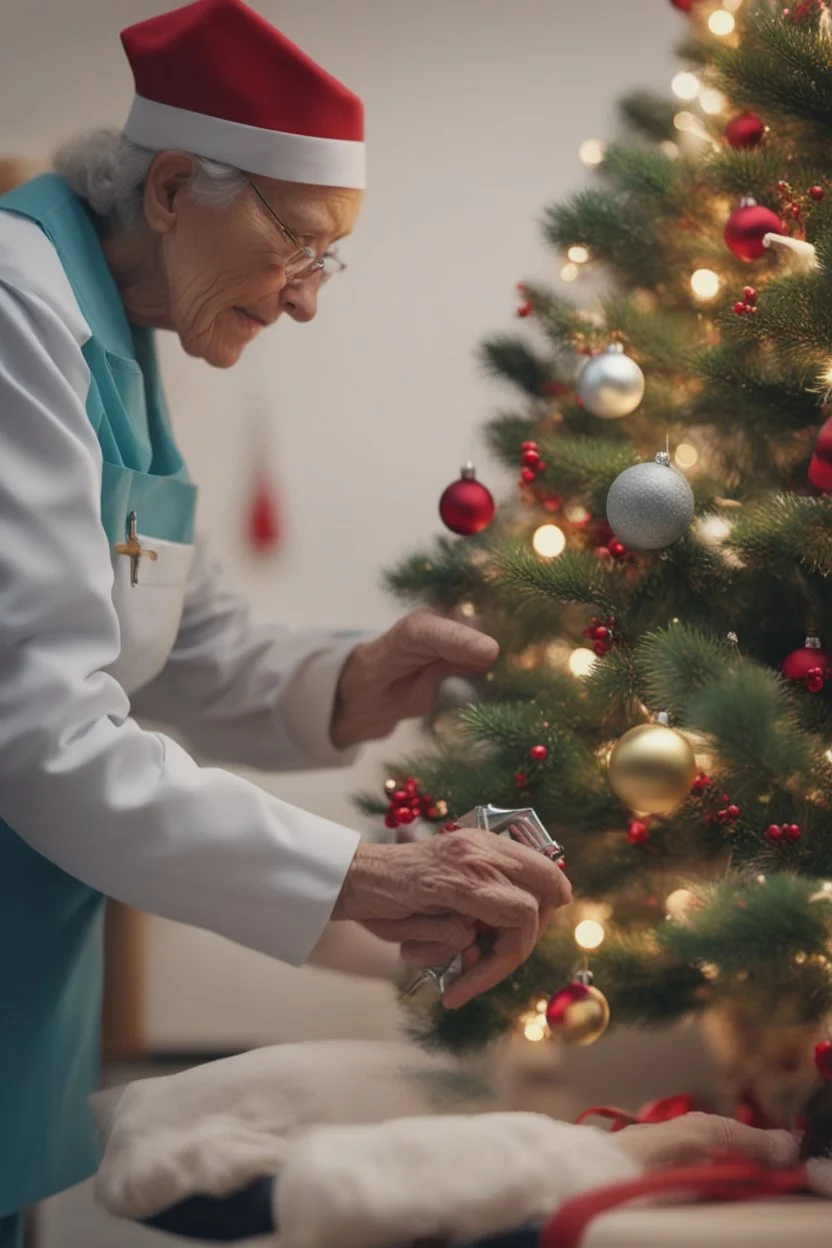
223	266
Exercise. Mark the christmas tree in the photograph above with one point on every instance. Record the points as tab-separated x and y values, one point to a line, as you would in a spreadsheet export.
659	577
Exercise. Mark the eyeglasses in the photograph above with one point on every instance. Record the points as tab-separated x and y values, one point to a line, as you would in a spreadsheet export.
303	263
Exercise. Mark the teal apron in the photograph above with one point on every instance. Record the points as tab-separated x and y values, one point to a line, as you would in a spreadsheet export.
50	923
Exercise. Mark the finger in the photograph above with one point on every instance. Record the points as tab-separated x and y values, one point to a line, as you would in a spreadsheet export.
454	932
511	948
534	871
820	1176
770	1148
424	635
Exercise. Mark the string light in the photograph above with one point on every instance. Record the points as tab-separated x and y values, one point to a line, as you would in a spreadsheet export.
712	101
576	513
534	1031
712	530
679	904
685	121
591	152
549	541
467	609
705	283
670	149
582	661
721	22
569	273
826	375
685	86
578	254
589	934
686	455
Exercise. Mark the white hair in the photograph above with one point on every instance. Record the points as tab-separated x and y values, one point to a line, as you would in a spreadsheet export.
108	172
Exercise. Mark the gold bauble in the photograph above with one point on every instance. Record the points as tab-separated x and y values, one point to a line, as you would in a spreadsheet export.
652	769
579	1014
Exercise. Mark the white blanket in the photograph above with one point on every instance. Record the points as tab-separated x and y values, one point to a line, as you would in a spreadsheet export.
360	1137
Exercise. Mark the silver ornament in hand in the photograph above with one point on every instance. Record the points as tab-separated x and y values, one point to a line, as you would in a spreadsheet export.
523	826
650	505
610	384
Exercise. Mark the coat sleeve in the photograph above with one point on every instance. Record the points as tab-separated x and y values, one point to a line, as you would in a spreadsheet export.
260	696
125	810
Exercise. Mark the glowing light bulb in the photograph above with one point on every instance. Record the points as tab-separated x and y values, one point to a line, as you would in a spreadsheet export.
686	455
582	661
721	22
685	86
533	1032
576	513
549	541
569	273
591	152
578	254
705	283
712	101
680	903
670	149
589	934
542	1006
467	609
685	121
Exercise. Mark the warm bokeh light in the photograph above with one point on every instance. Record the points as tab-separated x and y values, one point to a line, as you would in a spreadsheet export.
680	903
569	273
686	455
576	513
732	5
712	102
534	1031
582	661
685	86
826	375
721	22
549	541
670	149
467	609
705	283
685	121
589	934
578	254
591	151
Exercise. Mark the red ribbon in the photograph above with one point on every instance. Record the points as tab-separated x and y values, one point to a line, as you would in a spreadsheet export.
729	1179
654	1111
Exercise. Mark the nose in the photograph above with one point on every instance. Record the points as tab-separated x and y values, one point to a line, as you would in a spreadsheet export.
300	299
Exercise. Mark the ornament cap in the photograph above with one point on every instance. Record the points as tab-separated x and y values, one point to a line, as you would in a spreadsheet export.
748	201
585	978
663	718
663	458
813	643
468	472
615	348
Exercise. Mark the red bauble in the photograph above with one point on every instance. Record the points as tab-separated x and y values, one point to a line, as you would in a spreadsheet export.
823	1058
774	833
747	226
820	467
816	192
637	832
539	753
684	6
466	507
808	664
578	1014
744	130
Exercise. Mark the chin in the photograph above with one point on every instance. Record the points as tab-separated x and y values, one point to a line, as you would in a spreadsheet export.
219	354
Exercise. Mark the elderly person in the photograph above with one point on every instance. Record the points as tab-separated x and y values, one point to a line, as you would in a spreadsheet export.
215	213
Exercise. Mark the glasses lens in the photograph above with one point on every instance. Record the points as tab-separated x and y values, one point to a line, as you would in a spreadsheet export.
332	264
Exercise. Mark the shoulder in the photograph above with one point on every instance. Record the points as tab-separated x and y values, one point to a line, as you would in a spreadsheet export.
31	269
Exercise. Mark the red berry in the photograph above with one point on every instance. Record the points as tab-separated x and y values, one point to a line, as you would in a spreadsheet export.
774	832
733	812
637	832
792	831
431	813
528	476
751	309
616	548
400	797
528	446
823	1058
749	294
603	552
531	458
541	465
601	648
411	787
740	308
521	286
405	815
783	187
611	621
391	820
796	210
724	798
816	192
524	310
539	753
428	800
450	827
599	633
702	782
521	779
562	863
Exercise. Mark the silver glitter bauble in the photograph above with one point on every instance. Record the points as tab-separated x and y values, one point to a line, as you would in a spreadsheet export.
610	384
650	505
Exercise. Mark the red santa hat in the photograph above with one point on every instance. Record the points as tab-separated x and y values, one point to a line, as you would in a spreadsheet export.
215	79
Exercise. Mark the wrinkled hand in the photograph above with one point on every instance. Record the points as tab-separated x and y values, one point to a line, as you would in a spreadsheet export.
697	1137
397	676
430	896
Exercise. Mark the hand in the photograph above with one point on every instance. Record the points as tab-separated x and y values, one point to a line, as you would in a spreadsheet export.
398	675
819	1170
697	1137
432	894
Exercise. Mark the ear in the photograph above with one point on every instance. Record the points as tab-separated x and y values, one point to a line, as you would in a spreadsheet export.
167	175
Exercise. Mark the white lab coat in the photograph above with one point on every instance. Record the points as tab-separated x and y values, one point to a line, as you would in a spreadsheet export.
126	810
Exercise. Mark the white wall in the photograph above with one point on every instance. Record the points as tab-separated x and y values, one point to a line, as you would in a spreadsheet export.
476	109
